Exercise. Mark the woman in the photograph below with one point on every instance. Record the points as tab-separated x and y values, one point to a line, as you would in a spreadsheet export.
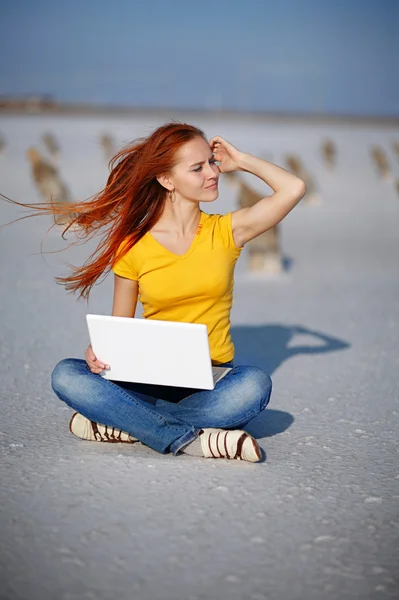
159	244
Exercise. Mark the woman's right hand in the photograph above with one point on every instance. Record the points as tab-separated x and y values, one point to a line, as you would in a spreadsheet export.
95	365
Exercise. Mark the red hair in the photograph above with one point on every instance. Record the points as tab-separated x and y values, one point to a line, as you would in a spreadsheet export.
129	205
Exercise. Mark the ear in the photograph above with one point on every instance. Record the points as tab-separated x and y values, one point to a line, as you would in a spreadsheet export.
165	182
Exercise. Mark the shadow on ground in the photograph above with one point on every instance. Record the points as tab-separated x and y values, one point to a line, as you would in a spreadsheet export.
267	347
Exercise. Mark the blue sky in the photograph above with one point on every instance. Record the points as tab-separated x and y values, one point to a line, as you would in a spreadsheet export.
337	57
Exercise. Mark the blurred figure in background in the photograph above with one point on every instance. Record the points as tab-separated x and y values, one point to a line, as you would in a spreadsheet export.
380	161
395	146
48	181
52	146
108	144
3	143
329	153
264	250
295	165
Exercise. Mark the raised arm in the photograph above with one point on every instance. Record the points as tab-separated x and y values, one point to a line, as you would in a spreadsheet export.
125	297
248	223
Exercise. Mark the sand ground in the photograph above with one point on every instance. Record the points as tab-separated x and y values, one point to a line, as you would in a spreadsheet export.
319	518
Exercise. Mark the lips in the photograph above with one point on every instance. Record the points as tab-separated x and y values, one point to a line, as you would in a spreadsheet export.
210	187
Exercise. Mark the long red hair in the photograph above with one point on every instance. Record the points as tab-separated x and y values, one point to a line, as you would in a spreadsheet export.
129	205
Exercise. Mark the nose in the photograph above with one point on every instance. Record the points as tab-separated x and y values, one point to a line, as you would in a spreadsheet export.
212	174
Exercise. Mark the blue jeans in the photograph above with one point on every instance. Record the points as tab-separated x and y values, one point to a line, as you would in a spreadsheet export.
165	418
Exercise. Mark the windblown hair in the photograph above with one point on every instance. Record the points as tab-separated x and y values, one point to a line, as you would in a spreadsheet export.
129	205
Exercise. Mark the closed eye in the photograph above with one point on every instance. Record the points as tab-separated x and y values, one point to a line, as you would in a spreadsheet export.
212	161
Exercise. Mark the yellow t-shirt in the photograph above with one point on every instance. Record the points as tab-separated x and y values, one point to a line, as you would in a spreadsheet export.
196	287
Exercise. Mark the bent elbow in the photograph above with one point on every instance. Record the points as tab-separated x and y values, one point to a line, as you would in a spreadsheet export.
301	189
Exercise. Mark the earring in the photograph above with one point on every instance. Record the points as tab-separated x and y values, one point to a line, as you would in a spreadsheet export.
171	193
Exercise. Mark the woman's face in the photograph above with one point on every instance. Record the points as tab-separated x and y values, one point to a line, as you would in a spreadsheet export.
195	175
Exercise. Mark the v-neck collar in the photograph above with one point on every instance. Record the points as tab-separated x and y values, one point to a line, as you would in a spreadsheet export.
193	243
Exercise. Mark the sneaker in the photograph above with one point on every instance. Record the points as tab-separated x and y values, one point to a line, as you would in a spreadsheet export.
222	443
90	430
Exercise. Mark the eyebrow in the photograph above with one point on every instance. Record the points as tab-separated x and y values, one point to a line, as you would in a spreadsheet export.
201	162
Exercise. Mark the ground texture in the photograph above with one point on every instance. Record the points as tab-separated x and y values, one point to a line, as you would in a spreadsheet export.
319	518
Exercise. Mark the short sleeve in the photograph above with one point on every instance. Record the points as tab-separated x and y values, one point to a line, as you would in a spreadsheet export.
226	232
126	266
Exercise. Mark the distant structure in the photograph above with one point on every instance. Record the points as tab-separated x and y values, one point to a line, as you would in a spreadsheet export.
329	153
30	103
295	165
264	250
48	182
51	145
108	144
380	160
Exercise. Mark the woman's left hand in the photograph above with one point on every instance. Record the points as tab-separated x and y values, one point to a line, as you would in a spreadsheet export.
226	154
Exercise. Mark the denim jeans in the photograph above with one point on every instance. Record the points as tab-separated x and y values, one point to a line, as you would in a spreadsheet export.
165	418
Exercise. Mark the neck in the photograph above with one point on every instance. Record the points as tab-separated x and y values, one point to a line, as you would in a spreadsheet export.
179	219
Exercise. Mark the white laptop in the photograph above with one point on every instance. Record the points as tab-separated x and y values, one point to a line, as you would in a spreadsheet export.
157	352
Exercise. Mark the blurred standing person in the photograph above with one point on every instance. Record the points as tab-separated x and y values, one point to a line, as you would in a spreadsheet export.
48	182
381	163
108	145
3	143
329	153
395	146
52	146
